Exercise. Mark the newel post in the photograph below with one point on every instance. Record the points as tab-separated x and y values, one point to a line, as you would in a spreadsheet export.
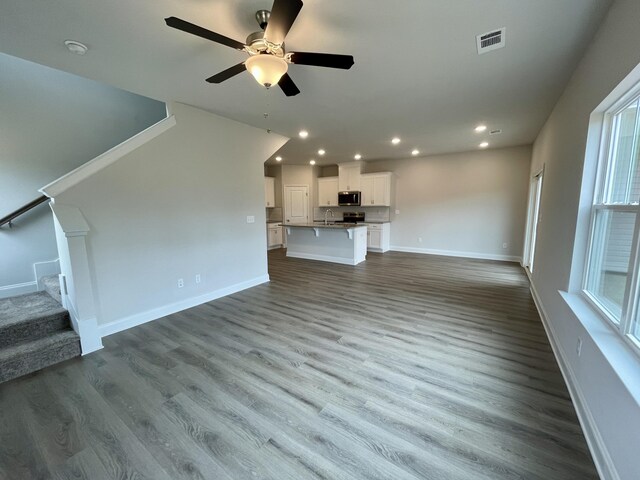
76	285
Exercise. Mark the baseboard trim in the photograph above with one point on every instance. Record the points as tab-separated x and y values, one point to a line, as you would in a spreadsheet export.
156	313
453	253
601	458
18	289
322	258
87	330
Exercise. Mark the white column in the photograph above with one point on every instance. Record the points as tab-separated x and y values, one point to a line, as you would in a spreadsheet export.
76	285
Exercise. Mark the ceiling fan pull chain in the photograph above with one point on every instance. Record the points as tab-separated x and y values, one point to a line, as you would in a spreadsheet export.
266	113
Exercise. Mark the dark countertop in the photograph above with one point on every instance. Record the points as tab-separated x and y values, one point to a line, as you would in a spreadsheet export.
335	226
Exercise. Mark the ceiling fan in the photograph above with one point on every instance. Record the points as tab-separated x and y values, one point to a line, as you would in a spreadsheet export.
268	61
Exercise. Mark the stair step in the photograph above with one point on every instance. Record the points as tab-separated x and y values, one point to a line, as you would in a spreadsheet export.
28	357
31	316
52	287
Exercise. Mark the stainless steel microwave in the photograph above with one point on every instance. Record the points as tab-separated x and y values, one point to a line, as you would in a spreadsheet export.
349	199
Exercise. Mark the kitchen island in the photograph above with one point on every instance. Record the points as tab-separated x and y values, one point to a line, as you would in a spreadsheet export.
338	243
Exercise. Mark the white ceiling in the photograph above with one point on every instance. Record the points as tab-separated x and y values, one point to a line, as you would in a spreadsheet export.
416	75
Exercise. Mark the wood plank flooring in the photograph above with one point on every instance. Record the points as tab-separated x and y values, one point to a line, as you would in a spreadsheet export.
404	367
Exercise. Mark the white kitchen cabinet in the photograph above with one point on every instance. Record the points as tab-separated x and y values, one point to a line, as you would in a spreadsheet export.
349	176
274	235
328	192
269	192
376	189
378	237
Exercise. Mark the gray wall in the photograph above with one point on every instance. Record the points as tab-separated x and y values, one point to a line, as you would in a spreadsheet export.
174	208
461	204
52	122
602	373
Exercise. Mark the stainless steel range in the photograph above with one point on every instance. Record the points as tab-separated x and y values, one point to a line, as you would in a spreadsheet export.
353	217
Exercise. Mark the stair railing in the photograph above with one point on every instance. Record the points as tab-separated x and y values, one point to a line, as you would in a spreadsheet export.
25	208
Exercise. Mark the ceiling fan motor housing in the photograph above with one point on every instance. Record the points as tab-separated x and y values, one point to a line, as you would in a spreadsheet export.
256	44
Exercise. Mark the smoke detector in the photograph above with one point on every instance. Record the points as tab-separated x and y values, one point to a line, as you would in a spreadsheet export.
491	40
76	47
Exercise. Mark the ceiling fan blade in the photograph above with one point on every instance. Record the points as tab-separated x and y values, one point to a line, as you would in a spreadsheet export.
185	26
322	60
227	74
288	87
283	14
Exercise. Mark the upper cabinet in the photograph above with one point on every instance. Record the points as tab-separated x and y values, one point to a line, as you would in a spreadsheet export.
269	192
349	176
376	189
328	192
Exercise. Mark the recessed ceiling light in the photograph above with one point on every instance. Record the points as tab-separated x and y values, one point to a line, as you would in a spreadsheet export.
321	152
76	47
481	128
484	145
415	152
312	162
303	134
278	158
357	156
395	140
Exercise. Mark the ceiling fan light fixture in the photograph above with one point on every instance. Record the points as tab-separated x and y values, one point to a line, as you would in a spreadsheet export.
267	69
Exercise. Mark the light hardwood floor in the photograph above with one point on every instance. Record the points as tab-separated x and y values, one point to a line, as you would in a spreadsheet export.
404	367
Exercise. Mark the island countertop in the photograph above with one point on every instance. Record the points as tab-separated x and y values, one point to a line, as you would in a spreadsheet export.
340	226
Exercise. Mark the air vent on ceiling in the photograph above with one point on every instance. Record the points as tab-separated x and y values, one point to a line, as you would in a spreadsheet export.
491	40
495	132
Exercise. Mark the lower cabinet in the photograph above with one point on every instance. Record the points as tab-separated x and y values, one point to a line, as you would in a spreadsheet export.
274	236
378	237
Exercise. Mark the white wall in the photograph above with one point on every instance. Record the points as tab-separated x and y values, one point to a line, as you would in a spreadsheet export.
465	204
174	208
51	123
603	382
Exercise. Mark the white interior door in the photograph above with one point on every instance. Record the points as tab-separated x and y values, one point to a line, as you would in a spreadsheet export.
534	219
296	204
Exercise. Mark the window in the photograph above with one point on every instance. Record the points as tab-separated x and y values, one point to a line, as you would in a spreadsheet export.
613	261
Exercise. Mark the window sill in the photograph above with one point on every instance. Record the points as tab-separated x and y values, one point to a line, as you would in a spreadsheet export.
618	351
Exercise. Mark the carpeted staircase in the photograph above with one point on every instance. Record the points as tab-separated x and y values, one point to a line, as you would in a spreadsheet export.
35	332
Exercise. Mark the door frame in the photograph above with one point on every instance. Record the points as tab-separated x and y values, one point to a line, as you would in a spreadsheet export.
533	220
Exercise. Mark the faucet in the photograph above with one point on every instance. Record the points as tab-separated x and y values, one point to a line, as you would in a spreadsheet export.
326	212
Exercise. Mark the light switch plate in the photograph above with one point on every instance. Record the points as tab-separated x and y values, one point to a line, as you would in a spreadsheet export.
251	219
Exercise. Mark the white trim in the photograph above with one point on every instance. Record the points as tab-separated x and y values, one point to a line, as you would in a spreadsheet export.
452	253
101	162
601	458
156	313
323	258
45	269
18	289
87	330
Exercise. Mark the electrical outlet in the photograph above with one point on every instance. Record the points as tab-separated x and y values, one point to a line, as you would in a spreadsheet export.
198	278
579	347
505	245
180	282
251	219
